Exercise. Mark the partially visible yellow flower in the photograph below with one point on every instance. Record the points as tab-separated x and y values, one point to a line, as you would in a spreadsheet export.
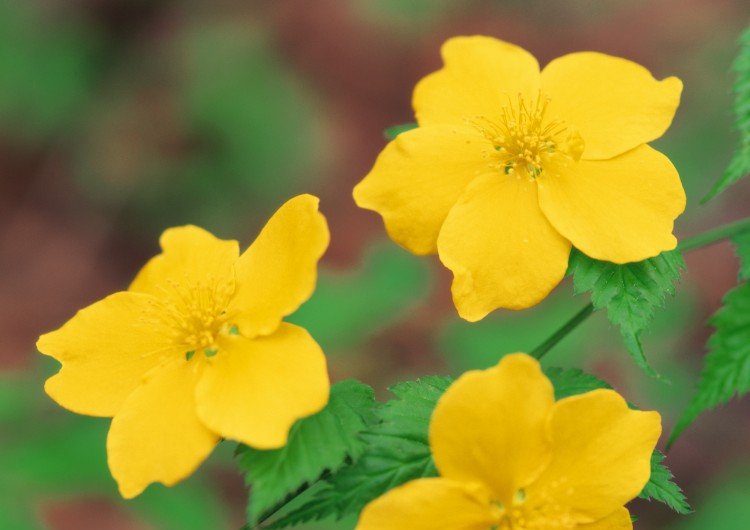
510	166
196	349
511	458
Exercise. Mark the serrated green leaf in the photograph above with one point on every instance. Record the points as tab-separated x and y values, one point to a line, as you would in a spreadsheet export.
631	293
662	488
391	132
319	444
739	166
397	452
726	370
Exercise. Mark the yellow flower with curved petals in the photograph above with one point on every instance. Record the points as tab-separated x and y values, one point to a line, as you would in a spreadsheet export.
511	165
511	458
196	349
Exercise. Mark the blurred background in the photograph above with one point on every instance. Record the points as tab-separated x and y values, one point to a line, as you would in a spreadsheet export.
119	118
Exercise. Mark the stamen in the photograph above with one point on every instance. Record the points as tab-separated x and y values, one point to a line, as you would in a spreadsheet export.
526	141
196	313
543	512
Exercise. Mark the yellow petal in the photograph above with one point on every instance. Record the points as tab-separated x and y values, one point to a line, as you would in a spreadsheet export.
619	520
418	177
278	271
429	504
601	455
618	210
502	250
190	257
615	104
489	426
105	350
254	390
479	77
157	436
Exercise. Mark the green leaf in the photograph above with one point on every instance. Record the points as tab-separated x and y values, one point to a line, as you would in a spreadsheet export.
739	166
726	370
573	382
631	293
317	445
662	488
397	452
391	132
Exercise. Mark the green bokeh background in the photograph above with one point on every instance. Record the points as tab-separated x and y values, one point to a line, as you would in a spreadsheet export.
119	118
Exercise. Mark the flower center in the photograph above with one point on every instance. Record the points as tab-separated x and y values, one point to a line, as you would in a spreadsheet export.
523	515
526	141
197	314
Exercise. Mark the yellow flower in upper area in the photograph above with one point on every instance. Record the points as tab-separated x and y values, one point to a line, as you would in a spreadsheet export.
196	349
510	166
511	458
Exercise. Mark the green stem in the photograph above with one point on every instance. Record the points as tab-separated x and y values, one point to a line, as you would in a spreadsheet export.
561	333
701	240
714	236
279	506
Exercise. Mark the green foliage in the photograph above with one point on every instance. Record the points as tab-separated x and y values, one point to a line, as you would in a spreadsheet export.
630	293
739	166
726	371
391	132
397	452
662	488
573	382
47	70
317	445
349	306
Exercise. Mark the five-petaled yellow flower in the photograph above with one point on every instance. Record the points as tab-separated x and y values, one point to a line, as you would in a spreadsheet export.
510	166
511	458
196	349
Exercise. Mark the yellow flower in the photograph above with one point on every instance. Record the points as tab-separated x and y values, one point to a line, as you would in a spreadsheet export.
511	458
510	166
196	350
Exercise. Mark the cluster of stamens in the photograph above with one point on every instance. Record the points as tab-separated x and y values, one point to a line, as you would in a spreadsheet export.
526	141
197	314
544	514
